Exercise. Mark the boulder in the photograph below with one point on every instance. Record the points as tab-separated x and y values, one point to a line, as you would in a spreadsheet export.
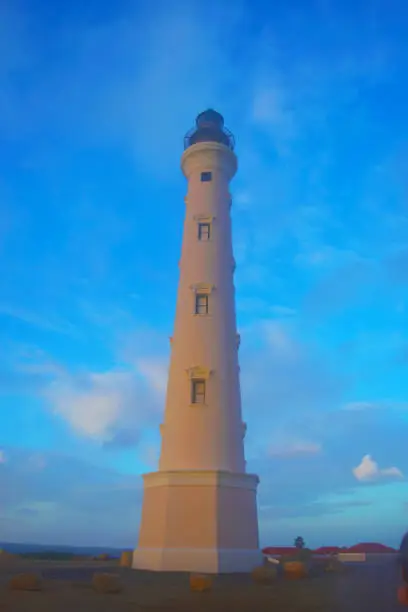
126	558
7	558
25	582
265	574
106	583
403	595
295	570
200	582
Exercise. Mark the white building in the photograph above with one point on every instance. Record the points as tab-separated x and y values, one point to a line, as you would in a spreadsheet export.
199	510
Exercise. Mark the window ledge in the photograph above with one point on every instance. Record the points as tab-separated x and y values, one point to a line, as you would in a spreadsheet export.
195	405
197	314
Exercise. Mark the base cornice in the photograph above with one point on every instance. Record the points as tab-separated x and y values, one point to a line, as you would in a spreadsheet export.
206	560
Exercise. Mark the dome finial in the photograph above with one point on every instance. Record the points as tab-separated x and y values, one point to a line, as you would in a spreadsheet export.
210	117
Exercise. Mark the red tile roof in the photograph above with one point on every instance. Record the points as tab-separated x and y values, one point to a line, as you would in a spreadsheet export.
370	547
279	550
363	547
327	550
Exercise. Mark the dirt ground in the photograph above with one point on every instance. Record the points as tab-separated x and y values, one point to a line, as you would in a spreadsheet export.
363	588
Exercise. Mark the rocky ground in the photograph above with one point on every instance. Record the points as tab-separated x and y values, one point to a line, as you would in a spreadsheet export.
368	587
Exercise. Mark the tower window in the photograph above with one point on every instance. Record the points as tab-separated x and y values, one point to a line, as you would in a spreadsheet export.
198	392
201	303
206	177
204	230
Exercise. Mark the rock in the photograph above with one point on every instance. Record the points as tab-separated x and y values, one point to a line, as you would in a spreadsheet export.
7	558
295	570
25	582
265	574
200	582
106	583
4	554
126	558
403	595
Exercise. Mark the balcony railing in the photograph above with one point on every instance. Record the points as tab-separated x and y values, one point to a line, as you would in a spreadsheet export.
209	134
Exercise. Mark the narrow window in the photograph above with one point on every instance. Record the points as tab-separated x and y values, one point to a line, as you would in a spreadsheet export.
198	392
204	231
201	304
206	177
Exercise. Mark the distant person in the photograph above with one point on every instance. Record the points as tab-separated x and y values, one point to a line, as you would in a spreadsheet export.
403	553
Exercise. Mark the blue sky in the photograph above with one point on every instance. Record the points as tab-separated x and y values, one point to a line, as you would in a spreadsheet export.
95	100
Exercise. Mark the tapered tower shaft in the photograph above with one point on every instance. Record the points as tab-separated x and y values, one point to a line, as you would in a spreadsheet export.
203	426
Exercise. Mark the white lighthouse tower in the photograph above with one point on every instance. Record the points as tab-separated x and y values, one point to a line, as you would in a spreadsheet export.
199	510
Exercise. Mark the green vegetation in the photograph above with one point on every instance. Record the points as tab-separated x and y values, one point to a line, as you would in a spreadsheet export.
302	554
49	555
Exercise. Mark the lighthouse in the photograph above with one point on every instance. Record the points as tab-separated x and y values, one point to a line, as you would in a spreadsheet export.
199	509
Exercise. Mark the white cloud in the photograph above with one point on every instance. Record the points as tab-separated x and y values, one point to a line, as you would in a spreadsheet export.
349	283
167	55
286	378
357	406
271	110
389	405
155	372
242	200
62	503
45	322
37	461
95	410
283	311
279	340
295	449
368	470
327	255
252	274
150	455
162	54
111	407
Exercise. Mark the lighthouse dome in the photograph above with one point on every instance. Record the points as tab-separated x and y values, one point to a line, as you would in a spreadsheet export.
209	127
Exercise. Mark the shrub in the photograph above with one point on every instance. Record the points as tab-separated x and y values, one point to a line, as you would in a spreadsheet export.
295	569
303	555
7	558
126	558
25	582
49	555
299	542
265	574
106	583
200	582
